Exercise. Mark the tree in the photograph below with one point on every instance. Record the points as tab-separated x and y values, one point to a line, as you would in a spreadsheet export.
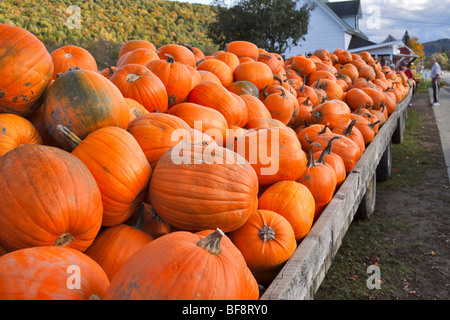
273	25
406	38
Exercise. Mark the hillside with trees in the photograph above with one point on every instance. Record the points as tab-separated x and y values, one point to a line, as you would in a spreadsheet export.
104	25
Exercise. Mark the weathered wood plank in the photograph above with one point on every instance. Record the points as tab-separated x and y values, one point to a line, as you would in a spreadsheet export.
302	275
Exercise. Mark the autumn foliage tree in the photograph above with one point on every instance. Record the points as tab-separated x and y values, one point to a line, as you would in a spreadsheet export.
273	25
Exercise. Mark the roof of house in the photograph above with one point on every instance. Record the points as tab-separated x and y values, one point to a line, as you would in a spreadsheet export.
325	4
346	8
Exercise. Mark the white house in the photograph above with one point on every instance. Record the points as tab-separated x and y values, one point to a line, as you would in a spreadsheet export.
390	51
332	25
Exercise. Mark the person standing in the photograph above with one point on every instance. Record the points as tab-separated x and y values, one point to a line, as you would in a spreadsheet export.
435	80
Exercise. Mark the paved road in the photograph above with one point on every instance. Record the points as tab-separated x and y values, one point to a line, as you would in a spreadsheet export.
442	115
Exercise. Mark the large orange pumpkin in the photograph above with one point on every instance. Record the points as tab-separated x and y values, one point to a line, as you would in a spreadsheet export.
140	56
176	78
256	72
102	104
204	119
216	96
243	49
49	198
180	53
275	154
219	68
119	166
21	53
185	266
196	187
139	83
69	56
51	273
334	113
130	45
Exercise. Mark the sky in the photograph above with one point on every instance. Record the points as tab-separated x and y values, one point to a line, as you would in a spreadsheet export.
428	20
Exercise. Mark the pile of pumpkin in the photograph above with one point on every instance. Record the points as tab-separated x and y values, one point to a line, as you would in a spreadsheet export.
94	205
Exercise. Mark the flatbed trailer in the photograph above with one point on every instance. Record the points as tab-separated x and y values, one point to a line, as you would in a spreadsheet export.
303	273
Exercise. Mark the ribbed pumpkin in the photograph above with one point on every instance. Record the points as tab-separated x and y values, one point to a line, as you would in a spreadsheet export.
15	131
115	245
22	53
140	56
333	90
294	202
70	56
153	132
334	113
216	96
243	49
209	76
275	154
175	76
320	179
256	72
347	149
356	98
309	133
130	45
119	166
195	187
279	105
219	68
181	54
353	133
139	83
303	65
229	58
204	119
267	241
185	266
333	160
50	273
52	199
255	108
102	105
365	127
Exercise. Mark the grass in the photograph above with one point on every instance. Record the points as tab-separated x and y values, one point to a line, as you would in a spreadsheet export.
368	242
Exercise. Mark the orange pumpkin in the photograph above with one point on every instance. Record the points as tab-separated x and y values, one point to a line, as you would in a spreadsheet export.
70	56
267	241
294	202
119	166
115	245
137	82
194	204
219	68
22	54
102	105
50	273
15	131
175	76
140	56
243	49
179	53
256	72
220	269
131	45
64	210
334	113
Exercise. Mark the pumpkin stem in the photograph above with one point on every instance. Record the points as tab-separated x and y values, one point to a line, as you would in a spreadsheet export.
266	233
373	124
211	243
71	137
64	239
140	218
348	130
278	79
131	77
170	58
327	149
312	161
324	130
